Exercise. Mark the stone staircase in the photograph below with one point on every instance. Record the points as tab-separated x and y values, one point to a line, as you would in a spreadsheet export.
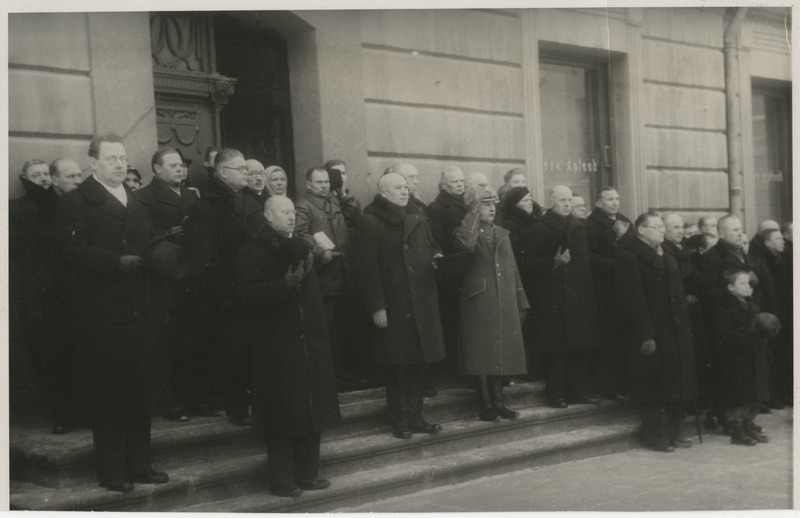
218	467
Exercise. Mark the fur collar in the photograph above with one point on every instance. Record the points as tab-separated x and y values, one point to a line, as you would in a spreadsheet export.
292	249
386	211
514	214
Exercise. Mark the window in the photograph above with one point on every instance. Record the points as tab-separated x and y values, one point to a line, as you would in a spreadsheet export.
772	153
575	136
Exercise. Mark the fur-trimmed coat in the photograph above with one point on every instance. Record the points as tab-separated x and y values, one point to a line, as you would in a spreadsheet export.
393	254
294	385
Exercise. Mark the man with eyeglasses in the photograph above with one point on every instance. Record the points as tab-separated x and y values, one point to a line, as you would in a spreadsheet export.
100	230
216	228
659	338
257	179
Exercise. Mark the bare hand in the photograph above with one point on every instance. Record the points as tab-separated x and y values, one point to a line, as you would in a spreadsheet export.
175	231
560	258
293	278
435	263
690	299
326	257
130	263
648	347
379	318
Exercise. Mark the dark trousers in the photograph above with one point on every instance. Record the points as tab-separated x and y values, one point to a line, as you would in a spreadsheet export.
404	394
238	378
292	459
450	314
336	317
661	422
612	371
121	447
568	374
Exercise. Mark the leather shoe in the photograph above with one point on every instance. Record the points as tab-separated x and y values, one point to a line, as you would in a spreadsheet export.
763	409
314	485
666	448
487	413
682	443
122	487
402	433
240	420
61	428
153	477
290	491
503	412
424	427
584	400
558	403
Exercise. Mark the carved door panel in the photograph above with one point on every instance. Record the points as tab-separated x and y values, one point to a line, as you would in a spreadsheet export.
189	93
257	117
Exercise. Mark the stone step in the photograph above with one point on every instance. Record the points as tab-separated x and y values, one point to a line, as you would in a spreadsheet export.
60	461
227	477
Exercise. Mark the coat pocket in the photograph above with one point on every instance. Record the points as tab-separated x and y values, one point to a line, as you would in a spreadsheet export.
474	287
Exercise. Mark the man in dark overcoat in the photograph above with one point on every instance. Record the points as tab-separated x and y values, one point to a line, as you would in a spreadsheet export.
216	227
294	386
168	200
99	231
563	301
659	339
445	214
607	230
393	253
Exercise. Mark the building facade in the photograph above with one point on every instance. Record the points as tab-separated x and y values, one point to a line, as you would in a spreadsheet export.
683	109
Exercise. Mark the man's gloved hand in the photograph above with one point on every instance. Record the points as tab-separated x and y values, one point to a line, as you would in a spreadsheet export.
293	278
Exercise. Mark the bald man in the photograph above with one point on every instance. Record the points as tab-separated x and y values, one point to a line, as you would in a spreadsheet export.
393	254
256	178
563	305
66	175
757	245
411	174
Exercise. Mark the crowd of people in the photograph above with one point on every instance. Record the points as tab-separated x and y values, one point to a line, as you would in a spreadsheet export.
163	300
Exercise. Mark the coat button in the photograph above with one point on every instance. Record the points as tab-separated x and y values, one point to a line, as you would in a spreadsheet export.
405	246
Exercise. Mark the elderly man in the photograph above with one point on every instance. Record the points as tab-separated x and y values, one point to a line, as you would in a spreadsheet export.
394	251
411	174
779	263
100	230
650	291
322	224
757	245
168	201
727	254
216	228
563	301
579	209
445	214
66	175
707	225
257	179
695	285
607	231
294	389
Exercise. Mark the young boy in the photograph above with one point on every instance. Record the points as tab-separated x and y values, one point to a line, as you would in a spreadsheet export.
742	334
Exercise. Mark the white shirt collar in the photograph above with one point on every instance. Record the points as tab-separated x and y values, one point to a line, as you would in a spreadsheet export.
117	192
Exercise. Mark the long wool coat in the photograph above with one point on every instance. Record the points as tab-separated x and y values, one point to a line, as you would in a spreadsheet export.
445	214
603	249
119	357
491	300
520	226
743	358
393	253
325	214
294	385
650	293
167	209
563	299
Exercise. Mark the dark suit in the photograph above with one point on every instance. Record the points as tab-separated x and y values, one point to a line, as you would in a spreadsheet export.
119	370
188	362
